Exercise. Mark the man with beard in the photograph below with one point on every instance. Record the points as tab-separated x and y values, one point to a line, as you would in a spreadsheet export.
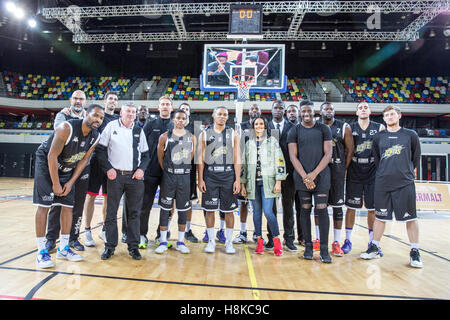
340	160
59	162
253	113
310	151
76	111
98	177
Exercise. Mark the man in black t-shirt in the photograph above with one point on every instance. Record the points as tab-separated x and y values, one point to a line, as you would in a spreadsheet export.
310	151
397	154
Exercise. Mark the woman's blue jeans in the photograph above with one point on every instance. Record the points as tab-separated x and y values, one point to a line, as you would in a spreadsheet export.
261	203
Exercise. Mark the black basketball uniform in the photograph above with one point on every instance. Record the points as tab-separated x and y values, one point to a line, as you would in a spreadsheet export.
193	182
98	176
177	172
219	174
361	172
396	156
310	152
74	150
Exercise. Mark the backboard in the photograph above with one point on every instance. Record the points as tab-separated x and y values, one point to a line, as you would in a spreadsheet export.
262	63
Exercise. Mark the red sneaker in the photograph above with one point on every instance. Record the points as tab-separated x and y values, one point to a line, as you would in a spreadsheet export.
277	248
259	246
316	245
336	249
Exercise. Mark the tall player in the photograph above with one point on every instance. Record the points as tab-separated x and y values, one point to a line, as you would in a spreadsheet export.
340	160
59	162
397	154
361	173
98	177
219	175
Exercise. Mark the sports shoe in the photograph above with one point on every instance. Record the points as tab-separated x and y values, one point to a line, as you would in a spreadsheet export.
379	249
278	248
210	247
336	249
182	247
205	238
371	253
88	240
316	245
143	242
220	235
415	258
102	235
229	249
309	252
291	246
347	247
259	246
241	238
325	256
169	244
50	245
124	238
161	248
269	244
68	254
44	260
76	245
255	238
189	236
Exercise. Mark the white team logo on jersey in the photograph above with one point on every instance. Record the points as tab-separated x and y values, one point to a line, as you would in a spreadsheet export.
75	139
406	215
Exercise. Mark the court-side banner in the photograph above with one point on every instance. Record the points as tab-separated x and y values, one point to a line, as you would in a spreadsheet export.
432	196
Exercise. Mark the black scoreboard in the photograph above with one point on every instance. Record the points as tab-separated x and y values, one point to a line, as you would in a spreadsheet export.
245	21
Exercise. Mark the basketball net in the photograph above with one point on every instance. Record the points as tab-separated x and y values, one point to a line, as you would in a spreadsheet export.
243	84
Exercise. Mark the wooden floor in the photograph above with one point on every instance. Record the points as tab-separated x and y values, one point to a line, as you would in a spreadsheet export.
201	276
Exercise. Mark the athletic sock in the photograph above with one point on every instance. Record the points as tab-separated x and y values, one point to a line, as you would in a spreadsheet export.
228	235
40	243
210	232
415	246
317	232
181	236
370	235
377	243
243	226
64	241
188	226
222	224
162	236
337	234
348	233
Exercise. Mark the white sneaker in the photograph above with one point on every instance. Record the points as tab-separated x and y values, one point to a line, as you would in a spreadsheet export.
210	247
241	238
162	248
68	254
89	241
102	235
44	260
229	249
182	248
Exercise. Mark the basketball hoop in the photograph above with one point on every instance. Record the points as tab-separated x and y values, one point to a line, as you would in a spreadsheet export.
243	84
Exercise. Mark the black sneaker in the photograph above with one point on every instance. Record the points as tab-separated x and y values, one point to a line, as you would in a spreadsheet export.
309	253
269	244
76	245
372	253
134	253
189	236
124	238
325	256
415	258
290	246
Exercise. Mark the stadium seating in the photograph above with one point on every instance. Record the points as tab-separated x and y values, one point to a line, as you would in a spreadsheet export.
429	90
40	87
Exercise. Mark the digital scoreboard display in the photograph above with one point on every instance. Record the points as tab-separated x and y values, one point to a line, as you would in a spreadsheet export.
245	21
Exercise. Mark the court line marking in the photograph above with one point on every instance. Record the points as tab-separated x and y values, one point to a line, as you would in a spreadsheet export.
225	286
251	272
32	292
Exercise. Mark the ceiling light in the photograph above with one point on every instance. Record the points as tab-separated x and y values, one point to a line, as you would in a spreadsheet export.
60	38
10	6
377	46
51	49
151	47
432	33
179	46
447	46
292	46
25	37
324	46
407	46
19	47
128	48
19	13
32	23
78	49
349	46
102	49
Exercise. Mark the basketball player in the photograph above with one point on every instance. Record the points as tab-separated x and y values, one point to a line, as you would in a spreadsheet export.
219	171
253	112
397	154
98	177
310	150
340	160
59	162
361	173
175	153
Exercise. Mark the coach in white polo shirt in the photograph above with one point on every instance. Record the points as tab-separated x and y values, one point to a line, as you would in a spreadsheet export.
123	155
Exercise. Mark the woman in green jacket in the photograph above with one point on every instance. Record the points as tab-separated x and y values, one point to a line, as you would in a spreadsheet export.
264	169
